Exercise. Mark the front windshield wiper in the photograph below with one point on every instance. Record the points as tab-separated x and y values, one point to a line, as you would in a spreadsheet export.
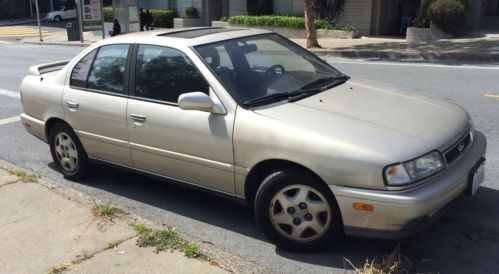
325	82
310	89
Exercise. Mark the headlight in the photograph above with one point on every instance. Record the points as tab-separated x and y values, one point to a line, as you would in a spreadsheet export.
415	170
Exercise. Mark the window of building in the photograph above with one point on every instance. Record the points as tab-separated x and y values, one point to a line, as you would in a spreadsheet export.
164	74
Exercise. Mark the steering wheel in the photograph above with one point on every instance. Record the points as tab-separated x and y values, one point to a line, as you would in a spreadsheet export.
275	70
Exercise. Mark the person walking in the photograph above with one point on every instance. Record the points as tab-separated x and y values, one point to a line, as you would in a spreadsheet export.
148	20
116	28
407	9
142	19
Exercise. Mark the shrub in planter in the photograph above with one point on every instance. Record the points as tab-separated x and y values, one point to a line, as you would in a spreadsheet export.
284	22
191	12
423	18
163	18
448	15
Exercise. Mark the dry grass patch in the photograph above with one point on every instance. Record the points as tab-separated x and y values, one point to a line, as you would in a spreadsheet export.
26	178
105	213
58	268
394	263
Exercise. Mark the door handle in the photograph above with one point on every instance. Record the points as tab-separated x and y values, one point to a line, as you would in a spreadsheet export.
138	117
72	104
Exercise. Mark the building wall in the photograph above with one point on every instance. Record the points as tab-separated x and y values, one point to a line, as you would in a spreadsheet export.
237	7
357	13
153	4
14	9
289	7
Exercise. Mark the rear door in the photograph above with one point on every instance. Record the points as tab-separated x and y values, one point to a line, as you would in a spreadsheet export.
95	103
192	146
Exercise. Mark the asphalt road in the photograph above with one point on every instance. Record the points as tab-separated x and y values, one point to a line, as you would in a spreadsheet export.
465	240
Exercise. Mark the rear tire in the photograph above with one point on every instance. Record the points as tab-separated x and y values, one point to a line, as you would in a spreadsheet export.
297	211
67	152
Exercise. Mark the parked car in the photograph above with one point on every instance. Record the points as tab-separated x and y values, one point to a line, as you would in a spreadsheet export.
251	116
62	14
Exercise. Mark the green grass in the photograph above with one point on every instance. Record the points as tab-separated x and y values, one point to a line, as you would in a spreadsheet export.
106	211
165	240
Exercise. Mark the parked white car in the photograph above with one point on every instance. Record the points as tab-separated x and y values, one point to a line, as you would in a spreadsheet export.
62	14
248	115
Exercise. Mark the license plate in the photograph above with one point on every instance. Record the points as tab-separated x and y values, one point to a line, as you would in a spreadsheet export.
476	177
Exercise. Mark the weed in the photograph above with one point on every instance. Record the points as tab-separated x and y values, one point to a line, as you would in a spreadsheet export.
58	268
113	244
27	178
164	240
106	211
393	263
140	228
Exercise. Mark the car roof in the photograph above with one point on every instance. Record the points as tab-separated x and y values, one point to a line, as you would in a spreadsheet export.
186	36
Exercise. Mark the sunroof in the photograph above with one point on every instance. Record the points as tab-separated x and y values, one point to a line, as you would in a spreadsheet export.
193	33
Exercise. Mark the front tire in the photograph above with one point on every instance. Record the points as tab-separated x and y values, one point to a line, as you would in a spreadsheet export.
297	211
57	18
67	152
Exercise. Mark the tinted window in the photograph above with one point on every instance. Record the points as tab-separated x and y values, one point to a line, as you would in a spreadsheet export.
164	74
80	71
108	70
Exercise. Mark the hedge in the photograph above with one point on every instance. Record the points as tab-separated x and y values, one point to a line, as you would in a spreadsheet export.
282	21
160	18
448	15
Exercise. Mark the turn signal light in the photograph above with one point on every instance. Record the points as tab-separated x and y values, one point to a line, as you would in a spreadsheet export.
364	207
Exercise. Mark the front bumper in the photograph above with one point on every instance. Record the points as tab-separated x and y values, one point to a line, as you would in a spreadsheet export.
399	214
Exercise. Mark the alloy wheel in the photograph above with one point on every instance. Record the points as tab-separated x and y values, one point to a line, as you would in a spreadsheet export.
66	153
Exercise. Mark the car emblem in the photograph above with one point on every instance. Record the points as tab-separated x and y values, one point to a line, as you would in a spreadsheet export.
460	147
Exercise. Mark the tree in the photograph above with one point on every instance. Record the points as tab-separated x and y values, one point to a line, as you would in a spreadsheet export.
309	25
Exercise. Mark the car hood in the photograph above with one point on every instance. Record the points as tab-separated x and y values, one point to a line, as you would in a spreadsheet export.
377	116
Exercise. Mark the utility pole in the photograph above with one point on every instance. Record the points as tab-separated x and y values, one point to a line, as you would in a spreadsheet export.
80	19
102	20
38	19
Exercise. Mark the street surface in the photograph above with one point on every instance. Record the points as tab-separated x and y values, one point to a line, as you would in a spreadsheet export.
11	34
465	240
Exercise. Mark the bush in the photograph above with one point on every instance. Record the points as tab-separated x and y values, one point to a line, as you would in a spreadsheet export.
258	7
108	14
191	12
423	19
163	18
448	15
284	22
160	18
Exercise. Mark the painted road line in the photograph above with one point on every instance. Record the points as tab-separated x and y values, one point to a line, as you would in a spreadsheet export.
10	120
6	43
491	95
333	61
9	93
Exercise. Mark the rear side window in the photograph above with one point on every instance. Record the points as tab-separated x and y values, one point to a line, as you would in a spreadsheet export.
80	71
164	74
108	70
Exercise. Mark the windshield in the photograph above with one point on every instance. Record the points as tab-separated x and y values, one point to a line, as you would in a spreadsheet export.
265	66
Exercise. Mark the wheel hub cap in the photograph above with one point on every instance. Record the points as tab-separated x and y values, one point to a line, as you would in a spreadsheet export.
300	213
66	152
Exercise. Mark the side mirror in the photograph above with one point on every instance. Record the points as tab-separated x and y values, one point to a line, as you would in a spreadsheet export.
195	101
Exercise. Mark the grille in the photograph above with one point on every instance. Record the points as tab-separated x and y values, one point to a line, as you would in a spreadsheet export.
457	149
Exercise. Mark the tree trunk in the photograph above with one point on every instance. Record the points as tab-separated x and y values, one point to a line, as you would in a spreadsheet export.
309	25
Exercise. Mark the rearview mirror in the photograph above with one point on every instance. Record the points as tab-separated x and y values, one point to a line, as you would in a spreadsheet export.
195	101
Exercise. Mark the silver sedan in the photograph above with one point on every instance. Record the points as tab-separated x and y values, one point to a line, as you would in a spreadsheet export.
248	115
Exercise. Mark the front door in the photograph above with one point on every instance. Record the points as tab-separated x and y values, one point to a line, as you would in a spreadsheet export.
191	146
95	103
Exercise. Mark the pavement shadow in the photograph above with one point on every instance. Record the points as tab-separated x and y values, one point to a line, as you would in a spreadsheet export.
464	240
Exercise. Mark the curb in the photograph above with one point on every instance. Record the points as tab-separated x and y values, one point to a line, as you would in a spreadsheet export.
410	56
58	43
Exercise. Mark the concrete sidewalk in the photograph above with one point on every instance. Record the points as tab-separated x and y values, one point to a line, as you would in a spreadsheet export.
45	230
475	47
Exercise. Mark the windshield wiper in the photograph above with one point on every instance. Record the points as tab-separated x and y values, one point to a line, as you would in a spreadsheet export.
325	82
310	89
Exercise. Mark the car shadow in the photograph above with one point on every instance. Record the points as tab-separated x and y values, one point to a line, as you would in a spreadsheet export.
464	240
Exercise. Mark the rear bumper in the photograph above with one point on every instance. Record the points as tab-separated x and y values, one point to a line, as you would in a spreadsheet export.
34	126
399	214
